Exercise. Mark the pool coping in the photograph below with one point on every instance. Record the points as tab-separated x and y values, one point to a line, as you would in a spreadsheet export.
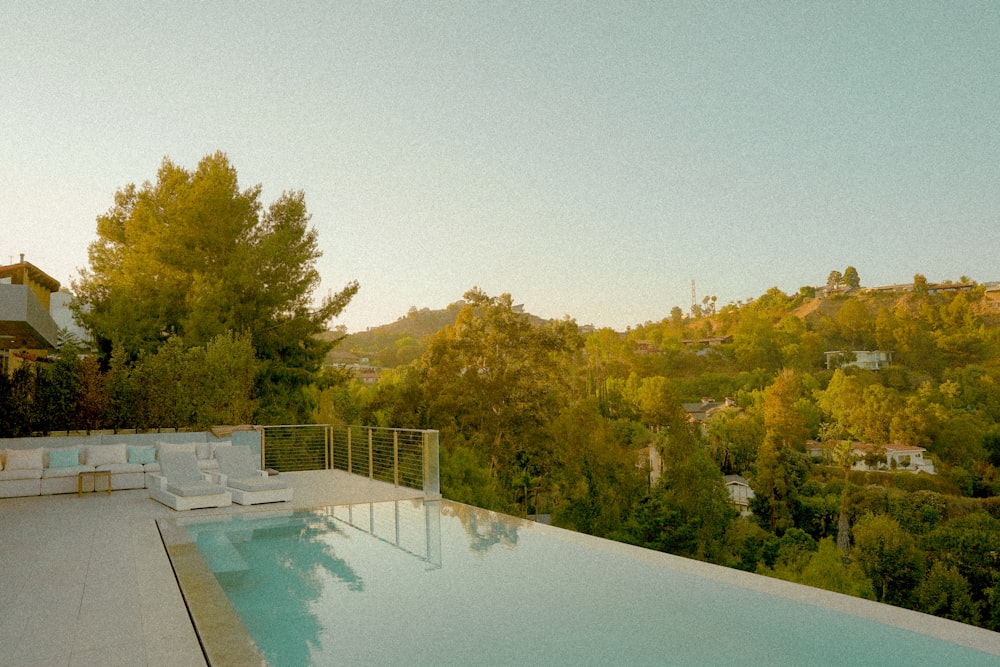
224	638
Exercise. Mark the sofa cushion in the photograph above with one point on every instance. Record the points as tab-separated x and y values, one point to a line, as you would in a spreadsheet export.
24	459
141	455
117	468
98	455
24	473
64	458
66	471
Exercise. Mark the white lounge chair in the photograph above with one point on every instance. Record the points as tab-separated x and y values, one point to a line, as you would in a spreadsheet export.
182	486
240	473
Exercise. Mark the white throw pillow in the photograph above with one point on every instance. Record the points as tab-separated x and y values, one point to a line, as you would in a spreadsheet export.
99	455
24	459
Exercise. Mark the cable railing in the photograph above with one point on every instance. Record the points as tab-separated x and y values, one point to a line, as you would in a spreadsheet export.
402	457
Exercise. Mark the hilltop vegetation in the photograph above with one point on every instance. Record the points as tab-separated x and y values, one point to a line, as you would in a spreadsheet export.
545	418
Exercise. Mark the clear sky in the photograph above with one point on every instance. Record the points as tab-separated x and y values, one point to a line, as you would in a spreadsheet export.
589	158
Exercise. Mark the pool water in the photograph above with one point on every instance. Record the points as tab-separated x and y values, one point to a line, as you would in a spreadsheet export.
440	583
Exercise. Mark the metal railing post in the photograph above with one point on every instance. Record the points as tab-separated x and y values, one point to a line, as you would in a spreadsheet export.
263	439
395	457
350	465
371	458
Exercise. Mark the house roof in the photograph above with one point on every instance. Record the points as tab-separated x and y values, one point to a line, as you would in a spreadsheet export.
22	270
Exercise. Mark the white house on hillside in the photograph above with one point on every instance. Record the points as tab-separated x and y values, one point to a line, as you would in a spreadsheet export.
878	457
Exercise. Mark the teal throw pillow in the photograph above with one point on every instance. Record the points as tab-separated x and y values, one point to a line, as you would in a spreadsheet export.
64	458
142	455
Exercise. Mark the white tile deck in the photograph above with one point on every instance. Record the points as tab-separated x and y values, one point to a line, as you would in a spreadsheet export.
86	581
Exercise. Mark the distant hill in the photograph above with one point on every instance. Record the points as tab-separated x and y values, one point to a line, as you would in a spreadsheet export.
395	343
398	342
404	340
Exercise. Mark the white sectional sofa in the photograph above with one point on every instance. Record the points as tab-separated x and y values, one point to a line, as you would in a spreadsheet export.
44	466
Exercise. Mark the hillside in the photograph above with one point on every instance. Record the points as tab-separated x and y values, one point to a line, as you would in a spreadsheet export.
404	340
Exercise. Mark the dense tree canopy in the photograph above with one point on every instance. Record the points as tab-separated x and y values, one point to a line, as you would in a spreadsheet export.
193	255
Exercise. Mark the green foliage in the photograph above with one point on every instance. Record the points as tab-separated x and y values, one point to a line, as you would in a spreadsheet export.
193	256
494	377
889	557
734	438
971	544
945	592
18	408
56	394
822	566
591	474
688	511
744	545
465	478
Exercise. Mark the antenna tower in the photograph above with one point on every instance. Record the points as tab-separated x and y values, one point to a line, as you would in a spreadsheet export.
694	296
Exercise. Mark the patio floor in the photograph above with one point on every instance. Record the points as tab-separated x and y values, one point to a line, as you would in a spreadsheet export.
86	581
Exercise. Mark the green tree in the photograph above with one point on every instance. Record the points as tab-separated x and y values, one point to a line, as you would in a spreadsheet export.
971	544
945	592
734	438
844	458
851	278
888	556
230	369
827	570
17	402
193	255
121	410
92	398
778	474
835	279
688	512
57	391
857	328
495	379
780	468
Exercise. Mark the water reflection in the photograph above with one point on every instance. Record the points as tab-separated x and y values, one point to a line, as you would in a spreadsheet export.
397	523
485	528
272	571
280	571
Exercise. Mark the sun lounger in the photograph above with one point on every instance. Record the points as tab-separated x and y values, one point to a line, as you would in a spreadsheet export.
182	486
240	473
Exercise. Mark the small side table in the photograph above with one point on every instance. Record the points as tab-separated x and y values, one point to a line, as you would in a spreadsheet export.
95	474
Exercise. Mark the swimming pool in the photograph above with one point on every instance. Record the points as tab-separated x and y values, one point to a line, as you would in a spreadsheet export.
440	583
